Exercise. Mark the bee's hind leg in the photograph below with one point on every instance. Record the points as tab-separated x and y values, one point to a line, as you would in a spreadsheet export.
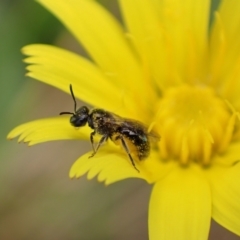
127	150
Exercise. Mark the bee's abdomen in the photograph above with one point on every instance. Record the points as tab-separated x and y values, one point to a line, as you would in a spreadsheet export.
140	143
143	150
142	146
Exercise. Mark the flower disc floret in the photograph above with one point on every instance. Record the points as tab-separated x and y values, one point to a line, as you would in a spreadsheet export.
194	124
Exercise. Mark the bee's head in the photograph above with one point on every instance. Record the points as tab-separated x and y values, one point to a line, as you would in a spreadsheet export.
79	117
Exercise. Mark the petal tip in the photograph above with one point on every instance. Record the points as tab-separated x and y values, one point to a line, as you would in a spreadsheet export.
11	135
9	138
71	174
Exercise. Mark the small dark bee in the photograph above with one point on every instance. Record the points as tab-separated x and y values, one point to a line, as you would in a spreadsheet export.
131	134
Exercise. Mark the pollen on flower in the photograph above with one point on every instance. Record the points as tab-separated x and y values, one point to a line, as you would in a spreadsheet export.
194	124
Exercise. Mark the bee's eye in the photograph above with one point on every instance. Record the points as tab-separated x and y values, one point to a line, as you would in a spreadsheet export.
82	110
79	119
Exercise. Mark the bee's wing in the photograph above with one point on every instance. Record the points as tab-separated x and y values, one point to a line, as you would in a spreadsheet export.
154	136
135	126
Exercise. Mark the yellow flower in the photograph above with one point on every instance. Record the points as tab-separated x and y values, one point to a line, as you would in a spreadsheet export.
173	74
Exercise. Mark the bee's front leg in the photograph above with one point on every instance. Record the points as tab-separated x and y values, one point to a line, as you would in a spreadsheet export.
102	140
92	141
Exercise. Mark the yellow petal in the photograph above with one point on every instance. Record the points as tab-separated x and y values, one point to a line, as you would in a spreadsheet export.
48	129
171	35
60	68
229	13
146	33
108	166
196	18
186	23
229	158
226	197
225	50
103	38
180	206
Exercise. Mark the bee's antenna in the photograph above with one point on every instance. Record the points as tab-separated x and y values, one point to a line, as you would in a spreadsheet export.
74	99
62	113
75	103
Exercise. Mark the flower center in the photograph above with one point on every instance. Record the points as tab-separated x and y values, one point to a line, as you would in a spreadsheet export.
194	124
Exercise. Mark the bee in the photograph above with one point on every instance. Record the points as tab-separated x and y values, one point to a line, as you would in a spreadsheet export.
131	134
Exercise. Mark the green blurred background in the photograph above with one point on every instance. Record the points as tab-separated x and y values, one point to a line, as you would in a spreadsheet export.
37	198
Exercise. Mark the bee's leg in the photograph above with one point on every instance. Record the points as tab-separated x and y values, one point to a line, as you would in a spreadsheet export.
92	141
127	150
102	140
